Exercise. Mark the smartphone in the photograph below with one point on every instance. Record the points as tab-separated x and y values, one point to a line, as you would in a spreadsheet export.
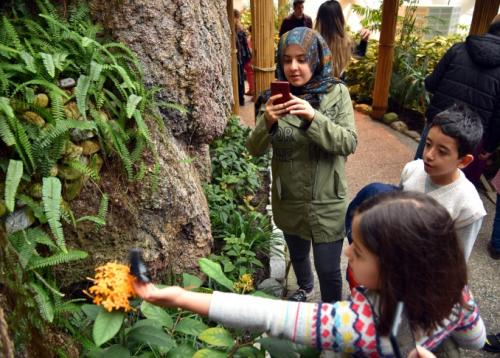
282	87
137	266
401	337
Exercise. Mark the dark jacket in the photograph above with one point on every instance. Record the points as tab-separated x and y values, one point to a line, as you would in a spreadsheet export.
290	22
469	72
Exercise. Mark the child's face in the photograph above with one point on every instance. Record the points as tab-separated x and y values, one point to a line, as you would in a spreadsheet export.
364	264
441	157
295	66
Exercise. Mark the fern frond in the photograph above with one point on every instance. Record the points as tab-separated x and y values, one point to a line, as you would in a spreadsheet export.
85	170
123	152
103	206
35	28
175	106
35	206
29	61
45	84
132	102
48	62
14	174
138	149
56	106
42	298
23	144
24	247
6	108
6	133
12	34
81	90
62	127
142	128
141	172
51	192
57	259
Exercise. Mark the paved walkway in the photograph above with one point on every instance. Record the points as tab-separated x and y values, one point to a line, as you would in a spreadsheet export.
380	156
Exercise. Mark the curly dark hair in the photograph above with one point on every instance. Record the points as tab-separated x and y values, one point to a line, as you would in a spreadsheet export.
421	260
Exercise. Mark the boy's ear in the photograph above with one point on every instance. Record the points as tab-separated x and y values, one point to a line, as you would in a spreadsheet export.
465	161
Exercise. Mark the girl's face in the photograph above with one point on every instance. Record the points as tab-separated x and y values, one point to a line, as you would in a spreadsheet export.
364	263
295	66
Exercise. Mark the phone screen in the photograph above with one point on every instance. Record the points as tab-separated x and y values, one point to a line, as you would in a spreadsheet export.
402	337
282	87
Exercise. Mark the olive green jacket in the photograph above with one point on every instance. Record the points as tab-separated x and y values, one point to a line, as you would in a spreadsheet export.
308	176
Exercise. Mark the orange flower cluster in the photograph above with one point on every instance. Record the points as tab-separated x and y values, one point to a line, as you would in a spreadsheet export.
112	287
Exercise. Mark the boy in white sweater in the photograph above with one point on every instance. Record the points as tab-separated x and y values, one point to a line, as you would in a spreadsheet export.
453	135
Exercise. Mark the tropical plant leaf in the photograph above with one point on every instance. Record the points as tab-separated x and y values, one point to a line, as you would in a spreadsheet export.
154	336
190	282
106	326
214	271
42	298
190	326
48	62
217	336
175	106
141	126
95	71
156	313
14	174
57	259
29	61
6	108
209	353
51	191
81	91
132	102
181	351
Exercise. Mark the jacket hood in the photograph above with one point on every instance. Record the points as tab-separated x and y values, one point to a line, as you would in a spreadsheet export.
484	49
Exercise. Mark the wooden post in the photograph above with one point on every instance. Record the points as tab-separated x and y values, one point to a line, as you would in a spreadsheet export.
263	44
484	12
234	60
385	58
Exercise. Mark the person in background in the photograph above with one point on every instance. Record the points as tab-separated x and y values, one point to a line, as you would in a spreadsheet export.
469	72
248	67
296	19
389	271
330	23
244	55
311	136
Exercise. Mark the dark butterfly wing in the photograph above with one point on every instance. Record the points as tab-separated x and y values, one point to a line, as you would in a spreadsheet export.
138	267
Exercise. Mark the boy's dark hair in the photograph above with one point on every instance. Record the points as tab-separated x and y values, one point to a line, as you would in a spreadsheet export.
421	261
462	124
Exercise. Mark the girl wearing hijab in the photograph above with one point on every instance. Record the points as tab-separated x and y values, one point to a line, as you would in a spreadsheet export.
311	135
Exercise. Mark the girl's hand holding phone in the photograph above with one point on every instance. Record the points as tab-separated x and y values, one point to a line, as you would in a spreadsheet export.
301	108
275	111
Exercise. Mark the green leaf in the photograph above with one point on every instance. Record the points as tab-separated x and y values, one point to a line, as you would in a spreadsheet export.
182	351
115	351
217	336
209	353
87	41
156	313
175	106
95	71
152	336
190	326
51	192
214	271
57	259
14	174
106	326
132	102
146	323
29	61
5	107
279	348
42	298
190	282
91	311
48	62
81	90
141	125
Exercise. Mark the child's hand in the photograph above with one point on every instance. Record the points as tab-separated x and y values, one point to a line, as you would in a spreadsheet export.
301	108
274	111
421	352
165	296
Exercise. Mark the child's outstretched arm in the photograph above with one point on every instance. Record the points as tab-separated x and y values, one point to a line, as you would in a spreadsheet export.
174	297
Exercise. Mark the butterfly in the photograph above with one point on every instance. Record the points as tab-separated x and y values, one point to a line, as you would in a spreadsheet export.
137	266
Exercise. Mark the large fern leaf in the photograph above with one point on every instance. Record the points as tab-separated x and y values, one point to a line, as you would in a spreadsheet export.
57	259
48	62
12	34
142	128
29	61
132	102
62	127
81	91
51	192
6	133
42	298
14	174
35	206
24	247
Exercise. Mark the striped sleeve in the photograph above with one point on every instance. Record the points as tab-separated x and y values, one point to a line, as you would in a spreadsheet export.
470	332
